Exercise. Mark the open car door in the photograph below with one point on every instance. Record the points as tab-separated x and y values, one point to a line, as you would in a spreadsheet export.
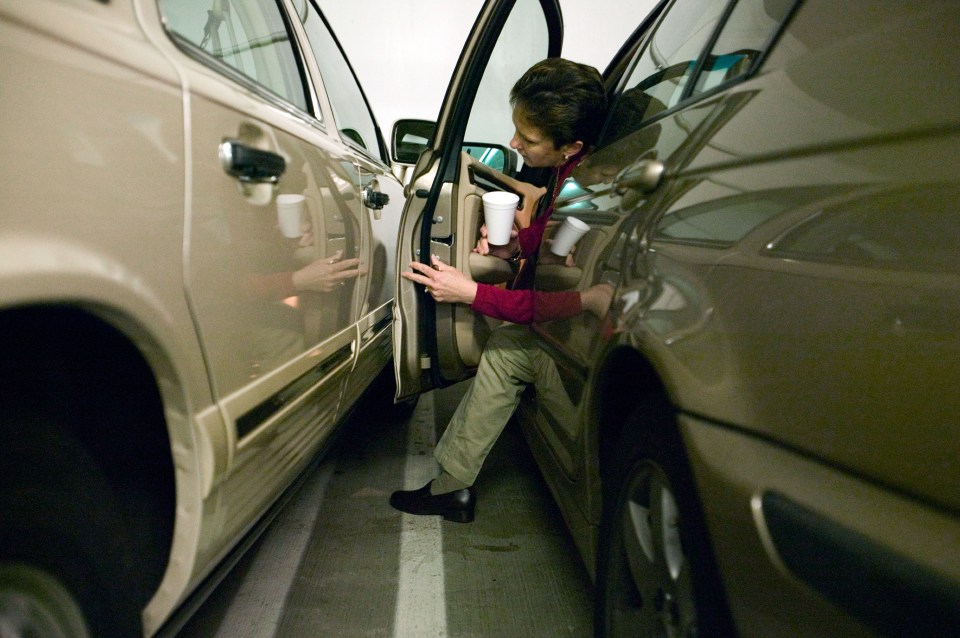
437	344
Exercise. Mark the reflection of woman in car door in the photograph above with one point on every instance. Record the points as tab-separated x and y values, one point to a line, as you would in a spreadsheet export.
558	107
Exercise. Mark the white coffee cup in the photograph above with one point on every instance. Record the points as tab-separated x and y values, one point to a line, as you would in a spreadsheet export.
499	209
290	214
568	234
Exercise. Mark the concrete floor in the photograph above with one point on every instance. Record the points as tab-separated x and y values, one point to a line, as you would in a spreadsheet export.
339	561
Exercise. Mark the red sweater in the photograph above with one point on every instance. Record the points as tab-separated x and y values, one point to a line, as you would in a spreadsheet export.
523	304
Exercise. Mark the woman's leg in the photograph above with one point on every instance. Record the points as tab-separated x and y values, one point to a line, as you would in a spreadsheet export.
505	369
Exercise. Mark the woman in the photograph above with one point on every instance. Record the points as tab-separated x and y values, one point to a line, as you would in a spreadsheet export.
558	107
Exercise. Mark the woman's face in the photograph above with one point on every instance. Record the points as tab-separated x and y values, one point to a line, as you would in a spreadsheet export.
536	149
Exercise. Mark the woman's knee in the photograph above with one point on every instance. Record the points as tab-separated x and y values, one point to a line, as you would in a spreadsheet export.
508	349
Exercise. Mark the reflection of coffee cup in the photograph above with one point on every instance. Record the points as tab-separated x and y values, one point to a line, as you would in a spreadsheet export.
290	214
569	233
499	209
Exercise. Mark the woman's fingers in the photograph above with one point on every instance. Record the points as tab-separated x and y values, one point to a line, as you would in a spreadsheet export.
346	264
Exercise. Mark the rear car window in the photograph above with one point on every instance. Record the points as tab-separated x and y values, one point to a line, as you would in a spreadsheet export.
912	229
697	46
350	110
248	38
725	221
668	60
742	38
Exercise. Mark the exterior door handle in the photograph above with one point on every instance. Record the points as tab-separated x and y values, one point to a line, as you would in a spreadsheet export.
638	179
249	164
374	199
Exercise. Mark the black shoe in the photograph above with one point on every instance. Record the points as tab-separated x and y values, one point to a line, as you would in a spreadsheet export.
456	506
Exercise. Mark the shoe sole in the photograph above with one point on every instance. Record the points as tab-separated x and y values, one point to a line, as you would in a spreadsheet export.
458	516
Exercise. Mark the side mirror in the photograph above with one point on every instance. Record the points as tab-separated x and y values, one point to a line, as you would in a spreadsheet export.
410	138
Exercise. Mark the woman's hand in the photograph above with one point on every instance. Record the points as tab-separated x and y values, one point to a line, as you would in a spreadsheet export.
503	252
444	283
549	257
325	275
596	299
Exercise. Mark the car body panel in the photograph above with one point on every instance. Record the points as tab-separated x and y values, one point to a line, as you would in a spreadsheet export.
796	294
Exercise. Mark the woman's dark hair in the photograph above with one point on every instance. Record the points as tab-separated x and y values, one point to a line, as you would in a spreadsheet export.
565	100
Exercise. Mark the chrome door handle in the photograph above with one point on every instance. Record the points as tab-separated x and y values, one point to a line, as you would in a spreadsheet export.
374	199
249	164
638	179
644	175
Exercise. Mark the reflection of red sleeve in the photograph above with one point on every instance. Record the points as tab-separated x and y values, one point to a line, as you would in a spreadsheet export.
525	306
530	237
274	285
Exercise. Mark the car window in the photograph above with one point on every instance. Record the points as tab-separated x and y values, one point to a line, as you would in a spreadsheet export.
662	72
517	49
666	62
726	220
744	35
249	38
722	222
350	109
913	229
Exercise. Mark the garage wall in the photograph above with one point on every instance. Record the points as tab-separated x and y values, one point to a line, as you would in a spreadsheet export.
404	51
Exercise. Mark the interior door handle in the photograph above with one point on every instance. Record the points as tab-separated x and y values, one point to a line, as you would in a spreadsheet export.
249	164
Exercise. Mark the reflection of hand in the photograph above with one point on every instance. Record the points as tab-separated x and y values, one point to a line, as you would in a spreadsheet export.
324	275
548	257
503	252
306	239
596	299
443	282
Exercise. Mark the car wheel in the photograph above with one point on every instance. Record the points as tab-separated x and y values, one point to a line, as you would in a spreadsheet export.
65	557
35	603
655	574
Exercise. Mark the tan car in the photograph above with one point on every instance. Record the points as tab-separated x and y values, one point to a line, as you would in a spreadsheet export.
198	236
763	436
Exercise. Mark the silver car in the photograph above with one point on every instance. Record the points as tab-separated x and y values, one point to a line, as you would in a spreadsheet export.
762	436
199	223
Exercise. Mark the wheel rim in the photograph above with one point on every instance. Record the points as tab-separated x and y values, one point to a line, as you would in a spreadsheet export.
34	603
651	591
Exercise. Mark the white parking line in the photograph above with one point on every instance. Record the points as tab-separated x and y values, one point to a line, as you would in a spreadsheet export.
421	602
257	608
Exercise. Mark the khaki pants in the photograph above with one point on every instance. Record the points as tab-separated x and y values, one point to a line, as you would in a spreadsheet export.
510	361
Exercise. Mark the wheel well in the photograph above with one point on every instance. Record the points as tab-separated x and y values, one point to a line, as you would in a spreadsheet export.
74	376
623	381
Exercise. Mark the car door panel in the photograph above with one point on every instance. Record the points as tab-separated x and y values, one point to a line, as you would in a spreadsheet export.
655	126
438	344
572	343
278	360
278	357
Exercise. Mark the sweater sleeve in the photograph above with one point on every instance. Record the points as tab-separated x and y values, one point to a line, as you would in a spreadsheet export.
274	286
525	306
529	238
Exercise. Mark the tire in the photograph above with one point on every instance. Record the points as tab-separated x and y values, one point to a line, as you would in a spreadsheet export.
33	602
64	552
656	576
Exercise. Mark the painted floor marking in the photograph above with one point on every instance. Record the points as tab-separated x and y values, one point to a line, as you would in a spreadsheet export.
421	601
